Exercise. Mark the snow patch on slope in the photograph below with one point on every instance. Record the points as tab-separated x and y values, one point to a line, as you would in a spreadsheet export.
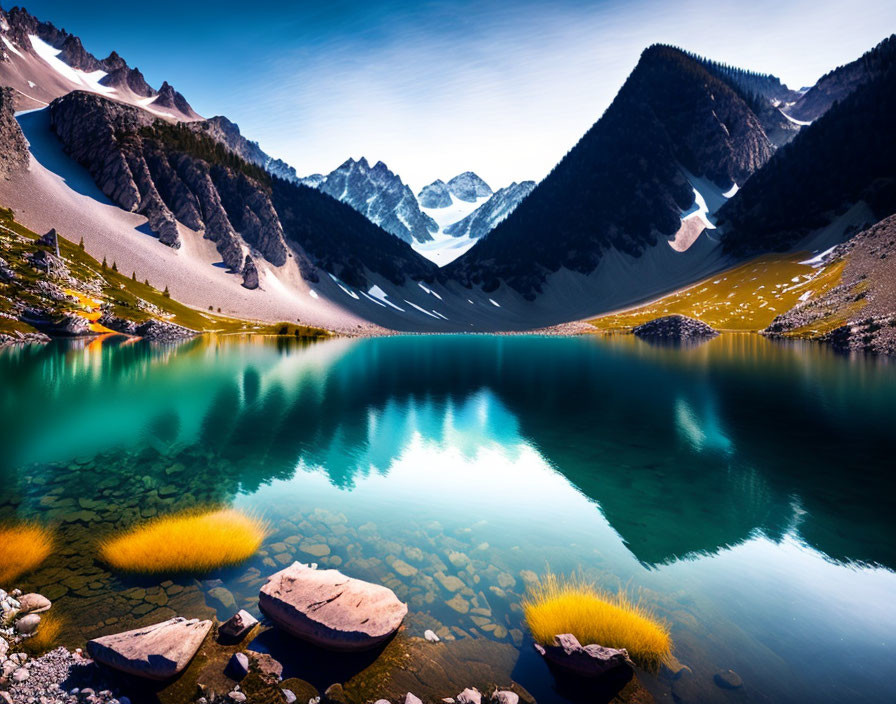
443	248
89	81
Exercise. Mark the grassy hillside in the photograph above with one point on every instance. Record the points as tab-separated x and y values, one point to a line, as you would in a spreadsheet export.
97	285
745	298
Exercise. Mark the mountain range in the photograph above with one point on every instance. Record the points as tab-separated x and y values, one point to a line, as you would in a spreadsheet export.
694	166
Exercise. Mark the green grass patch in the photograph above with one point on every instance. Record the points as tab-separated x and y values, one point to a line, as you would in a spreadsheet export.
129	298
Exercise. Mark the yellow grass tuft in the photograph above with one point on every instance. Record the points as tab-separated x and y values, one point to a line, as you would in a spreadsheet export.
47	635
22	548
558	605
187	542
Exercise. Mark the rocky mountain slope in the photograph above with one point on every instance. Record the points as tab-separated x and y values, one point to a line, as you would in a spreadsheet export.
767	97
859	313
382	197
435	195
840	82
228	133
468	187
625	185
484	219
41	62
51	287
178	174
845	157
13	147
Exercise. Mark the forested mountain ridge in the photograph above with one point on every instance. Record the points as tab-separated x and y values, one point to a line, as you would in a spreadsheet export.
626	181
846	156
175	174
837	84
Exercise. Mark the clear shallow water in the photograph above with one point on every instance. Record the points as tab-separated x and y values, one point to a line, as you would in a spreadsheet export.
743	488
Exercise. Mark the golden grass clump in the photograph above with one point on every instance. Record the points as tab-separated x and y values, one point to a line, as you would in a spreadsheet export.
191	541
22	548
47	636
558	605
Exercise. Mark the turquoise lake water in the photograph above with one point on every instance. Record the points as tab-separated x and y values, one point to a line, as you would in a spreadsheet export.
743	488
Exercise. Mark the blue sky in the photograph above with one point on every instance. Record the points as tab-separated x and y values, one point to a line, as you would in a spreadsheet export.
434	87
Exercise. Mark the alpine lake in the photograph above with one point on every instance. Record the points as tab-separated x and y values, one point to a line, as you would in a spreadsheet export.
743	489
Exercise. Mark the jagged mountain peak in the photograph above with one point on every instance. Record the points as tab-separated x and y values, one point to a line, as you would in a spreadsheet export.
435	195
44	62
469	187
380	195
495	210
228	133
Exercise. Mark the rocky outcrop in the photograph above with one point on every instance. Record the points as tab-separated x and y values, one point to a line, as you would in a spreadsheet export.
331	610
484	219
158	652
675	328
859	314
570	657
469	187
435	195
163	331
168	98
228	133
91	130
839	83
382	197
143	168
237	627
13	147
250	274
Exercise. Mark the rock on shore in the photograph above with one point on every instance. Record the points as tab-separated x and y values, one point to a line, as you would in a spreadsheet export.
675	328
331	610
157	652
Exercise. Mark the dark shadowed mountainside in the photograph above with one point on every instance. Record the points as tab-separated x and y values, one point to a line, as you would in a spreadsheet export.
625	183
846	156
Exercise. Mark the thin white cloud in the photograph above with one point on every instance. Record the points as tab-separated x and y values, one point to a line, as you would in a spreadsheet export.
507	94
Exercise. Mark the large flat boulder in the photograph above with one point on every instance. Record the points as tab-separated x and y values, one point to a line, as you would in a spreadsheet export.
157	652
329	609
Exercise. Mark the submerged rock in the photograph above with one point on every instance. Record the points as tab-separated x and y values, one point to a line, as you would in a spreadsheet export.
728	679
675	328
469	696
234	629
157	652
238	667
505	697
570	657
329	609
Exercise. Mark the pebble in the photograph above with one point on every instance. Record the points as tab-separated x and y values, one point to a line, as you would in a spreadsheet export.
238	667
505	697
431	636
728	679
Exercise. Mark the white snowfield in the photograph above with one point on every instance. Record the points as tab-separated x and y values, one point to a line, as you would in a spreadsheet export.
444	249
82	80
